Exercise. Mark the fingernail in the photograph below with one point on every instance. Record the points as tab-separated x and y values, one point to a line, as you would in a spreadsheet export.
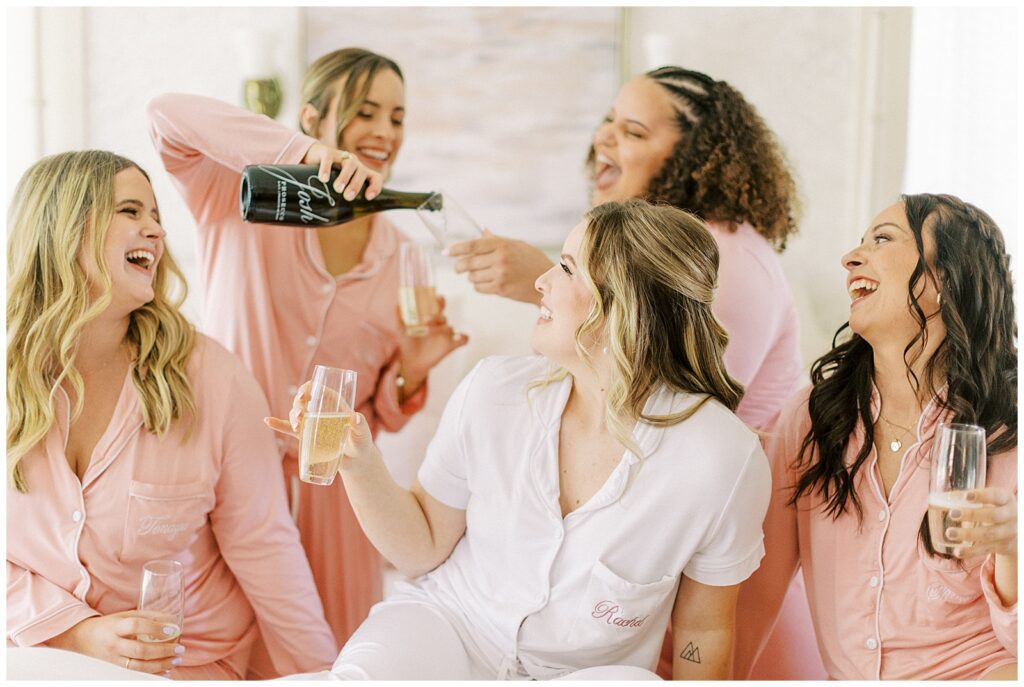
349	195
955	514
357	419
168	630
952	534
175	661
971	496
180	649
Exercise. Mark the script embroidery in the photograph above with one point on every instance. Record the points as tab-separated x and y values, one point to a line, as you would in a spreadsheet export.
608	610
156	524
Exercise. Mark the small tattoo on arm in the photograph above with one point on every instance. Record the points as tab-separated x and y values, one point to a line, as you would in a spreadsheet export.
691	653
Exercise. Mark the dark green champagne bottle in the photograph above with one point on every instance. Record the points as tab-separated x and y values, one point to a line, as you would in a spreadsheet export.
294	195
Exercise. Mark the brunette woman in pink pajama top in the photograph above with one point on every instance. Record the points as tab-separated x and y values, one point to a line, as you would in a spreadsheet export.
933	340
286	298
164	456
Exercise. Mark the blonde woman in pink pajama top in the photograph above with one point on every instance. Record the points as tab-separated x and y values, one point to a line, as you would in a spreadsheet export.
933	341
130	438
285	299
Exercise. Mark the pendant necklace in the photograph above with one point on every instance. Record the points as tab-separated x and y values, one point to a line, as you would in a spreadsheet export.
896	444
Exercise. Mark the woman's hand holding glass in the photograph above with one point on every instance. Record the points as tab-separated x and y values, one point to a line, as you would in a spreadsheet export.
115	638
359	447
352	175
501	266
989	527
420	353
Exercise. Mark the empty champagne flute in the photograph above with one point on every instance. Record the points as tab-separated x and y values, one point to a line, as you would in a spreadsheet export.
325	424
417	292
958	466
447	221
162	598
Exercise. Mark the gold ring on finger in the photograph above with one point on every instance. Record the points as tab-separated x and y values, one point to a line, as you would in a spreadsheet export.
127	661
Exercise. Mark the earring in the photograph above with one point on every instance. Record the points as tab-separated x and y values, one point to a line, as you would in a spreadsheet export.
604	350
938	299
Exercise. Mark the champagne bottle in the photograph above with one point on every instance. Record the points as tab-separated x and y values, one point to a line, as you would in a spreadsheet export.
295	195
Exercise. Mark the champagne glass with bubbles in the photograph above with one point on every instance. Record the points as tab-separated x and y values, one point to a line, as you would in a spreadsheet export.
325	424
162	598
958	466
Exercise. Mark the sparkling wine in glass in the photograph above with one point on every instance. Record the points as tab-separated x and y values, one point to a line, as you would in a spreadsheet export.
417	291
325	424
162	597
958	466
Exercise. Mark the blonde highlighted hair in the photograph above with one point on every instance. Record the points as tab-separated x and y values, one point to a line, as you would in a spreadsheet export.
322	82
62	207
652	270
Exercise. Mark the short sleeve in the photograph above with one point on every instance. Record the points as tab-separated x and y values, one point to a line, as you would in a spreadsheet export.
443	472
732	550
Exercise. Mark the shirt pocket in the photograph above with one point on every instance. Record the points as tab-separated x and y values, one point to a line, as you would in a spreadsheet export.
163	519
950	590
615	610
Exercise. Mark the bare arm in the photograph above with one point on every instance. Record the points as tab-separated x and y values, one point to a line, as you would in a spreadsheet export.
703	627
410	528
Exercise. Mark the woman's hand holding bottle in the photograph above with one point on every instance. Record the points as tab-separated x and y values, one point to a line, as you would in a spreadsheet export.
353	173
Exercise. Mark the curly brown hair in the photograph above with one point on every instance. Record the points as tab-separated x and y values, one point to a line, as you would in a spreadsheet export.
727	166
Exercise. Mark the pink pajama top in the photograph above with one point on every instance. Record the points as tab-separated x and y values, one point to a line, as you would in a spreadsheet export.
214	502
755	305
882	607
268	295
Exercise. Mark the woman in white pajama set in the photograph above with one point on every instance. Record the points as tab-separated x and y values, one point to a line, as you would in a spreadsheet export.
570	504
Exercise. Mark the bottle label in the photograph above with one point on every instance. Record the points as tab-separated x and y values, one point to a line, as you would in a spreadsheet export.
305	193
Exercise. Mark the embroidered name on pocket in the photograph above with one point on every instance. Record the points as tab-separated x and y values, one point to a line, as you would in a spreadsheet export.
610	612
160	525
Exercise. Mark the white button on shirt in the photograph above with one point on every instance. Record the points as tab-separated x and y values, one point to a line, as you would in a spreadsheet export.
882	515
873	581
326	288
602	590
76	515
871	644
311	341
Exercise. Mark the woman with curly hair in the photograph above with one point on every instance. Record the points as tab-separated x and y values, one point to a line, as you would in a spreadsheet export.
679	137
131	438
933	340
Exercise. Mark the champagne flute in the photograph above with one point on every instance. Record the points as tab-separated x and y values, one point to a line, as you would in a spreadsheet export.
162	597
958	466
417	290
325	424
447	221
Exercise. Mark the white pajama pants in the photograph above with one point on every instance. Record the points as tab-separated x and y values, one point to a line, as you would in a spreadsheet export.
411	640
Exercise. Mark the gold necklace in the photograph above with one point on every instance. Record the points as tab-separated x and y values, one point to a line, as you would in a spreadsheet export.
896	444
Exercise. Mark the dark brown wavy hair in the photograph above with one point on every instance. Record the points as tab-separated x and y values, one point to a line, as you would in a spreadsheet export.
977	359
727	166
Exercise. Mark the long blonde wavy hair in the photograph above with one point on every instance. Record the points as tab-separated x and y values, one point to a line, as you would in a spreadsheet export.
652	270
63	205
